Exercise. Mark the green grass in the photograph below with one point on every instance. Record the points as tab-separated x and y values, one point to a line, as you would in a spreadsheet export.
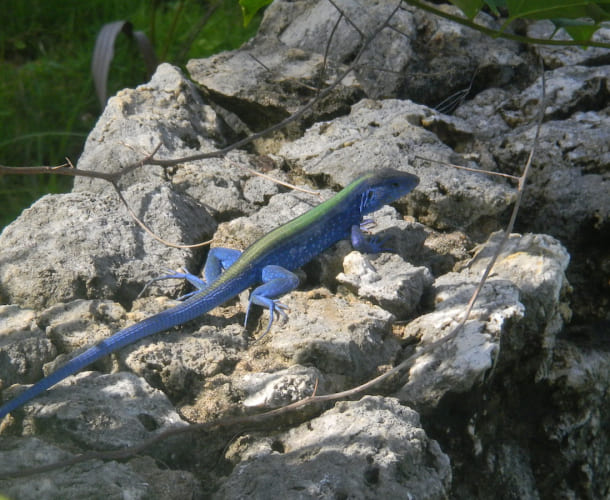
47	99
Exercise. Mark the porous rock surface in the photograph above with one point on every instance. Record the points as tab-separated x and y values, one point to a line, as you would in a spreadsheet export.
515	406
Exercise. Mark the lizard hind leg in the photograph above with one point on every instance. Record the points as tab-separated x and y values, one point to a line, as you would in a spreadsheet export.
180	274
219	259
277	281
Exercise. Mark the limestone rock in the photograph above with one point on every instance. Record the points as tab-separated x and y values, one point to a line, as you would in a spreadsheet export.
84	246
363	449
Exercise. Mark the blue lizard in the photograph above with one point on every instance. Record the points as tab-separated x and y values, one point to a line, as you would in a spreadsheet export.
268	261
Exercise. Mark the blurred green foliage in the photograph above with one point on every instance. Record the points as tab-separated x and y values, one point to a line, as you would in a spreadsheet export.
47	99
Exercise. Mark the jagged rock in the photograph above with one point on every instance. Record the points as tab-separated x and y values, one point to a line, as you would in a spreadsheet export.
179	363
388	281
168	110
140	478
85	245
536	263
24	347
389	134
99	412
520	308
415	55
464	362
572	89
575	429
336	335
267	81
557	55
567	194
272	390
370	448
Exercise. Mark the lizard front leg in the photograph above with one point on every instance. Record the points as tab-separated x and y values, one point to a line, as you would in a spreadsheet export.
366	244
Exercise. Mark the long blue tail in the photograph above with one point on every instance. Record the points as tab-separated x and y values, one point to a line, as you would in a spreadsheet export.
177	315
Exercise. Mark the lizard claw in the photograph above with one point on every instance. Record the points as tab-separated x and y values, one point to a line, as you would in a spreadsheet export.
274	306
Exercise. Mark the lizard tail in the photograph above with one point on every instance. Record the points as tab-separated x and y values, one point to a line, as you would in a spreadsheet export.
177	315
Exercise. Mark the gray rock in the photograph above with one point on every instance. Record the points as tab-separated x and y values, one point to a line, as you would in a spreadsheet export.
337	335
170	111
575	430
389	134
520	305
568	191
568	89
451	59
321	29
259	190
573	404
464	362
24	347
74	325
416	56
557	55
388	281
219	184
140	478
263	83
481	115
167	110
401	235
511	467
272	390
570	185
567	195
303	47
83	245
365	449
179	362
99	412
536	264
442	252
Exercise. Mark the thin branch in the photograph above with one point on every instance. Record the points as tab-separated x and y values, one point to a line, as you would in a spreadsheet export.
469	169
63	169
113	177
327	47
194	32
256	59
347	18
453	101
143	225
520	191
501	34
273	179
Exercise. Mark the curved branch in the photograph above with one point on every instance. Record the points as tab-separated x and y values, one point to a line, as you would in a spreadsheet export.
501	34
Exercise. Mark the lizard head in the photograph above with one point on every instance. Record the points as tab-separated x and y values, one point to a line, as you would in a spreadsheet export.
381	187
